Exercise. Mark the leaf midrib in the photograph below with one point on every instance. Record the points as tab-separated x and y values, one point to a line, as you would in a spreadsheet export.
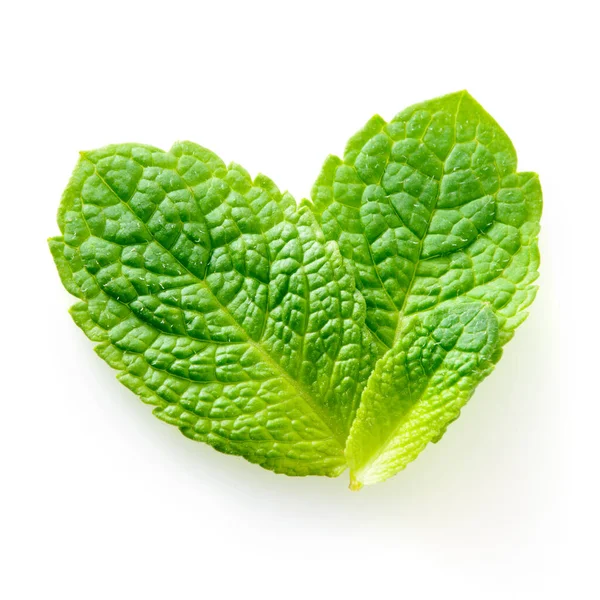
402	309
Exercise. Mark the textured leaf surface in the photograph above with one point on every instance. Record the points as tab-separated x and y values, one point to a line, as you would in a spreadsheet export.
427	210
419	386
252	328
218	301
430	207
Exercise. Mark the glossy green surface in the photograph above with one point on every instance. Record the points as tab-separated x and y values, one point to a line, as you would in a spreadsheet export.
218	301
259	327
428	210
419	387
429	207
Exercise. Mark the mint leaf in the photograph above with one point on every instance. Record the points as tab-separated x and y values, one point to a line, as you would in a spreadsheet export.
430	207
226	306
218	301
428	210
419	387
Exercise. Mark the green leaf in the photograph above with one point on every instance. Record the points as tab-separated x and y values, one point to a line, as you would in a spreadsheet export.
419	387
430	207
218	301
226	306
430	214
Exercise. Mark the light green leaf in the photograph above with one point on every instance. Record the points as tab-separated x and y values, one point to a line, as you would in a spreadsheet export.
419	387
430	207
218	301
226	306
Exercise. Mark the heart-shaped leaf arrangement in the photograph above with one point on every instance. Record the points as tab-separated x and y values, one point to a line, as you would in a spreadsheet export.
347	331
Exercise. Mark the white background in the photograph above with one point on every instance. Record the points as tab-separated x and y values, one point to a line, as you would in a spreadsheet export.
101	500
